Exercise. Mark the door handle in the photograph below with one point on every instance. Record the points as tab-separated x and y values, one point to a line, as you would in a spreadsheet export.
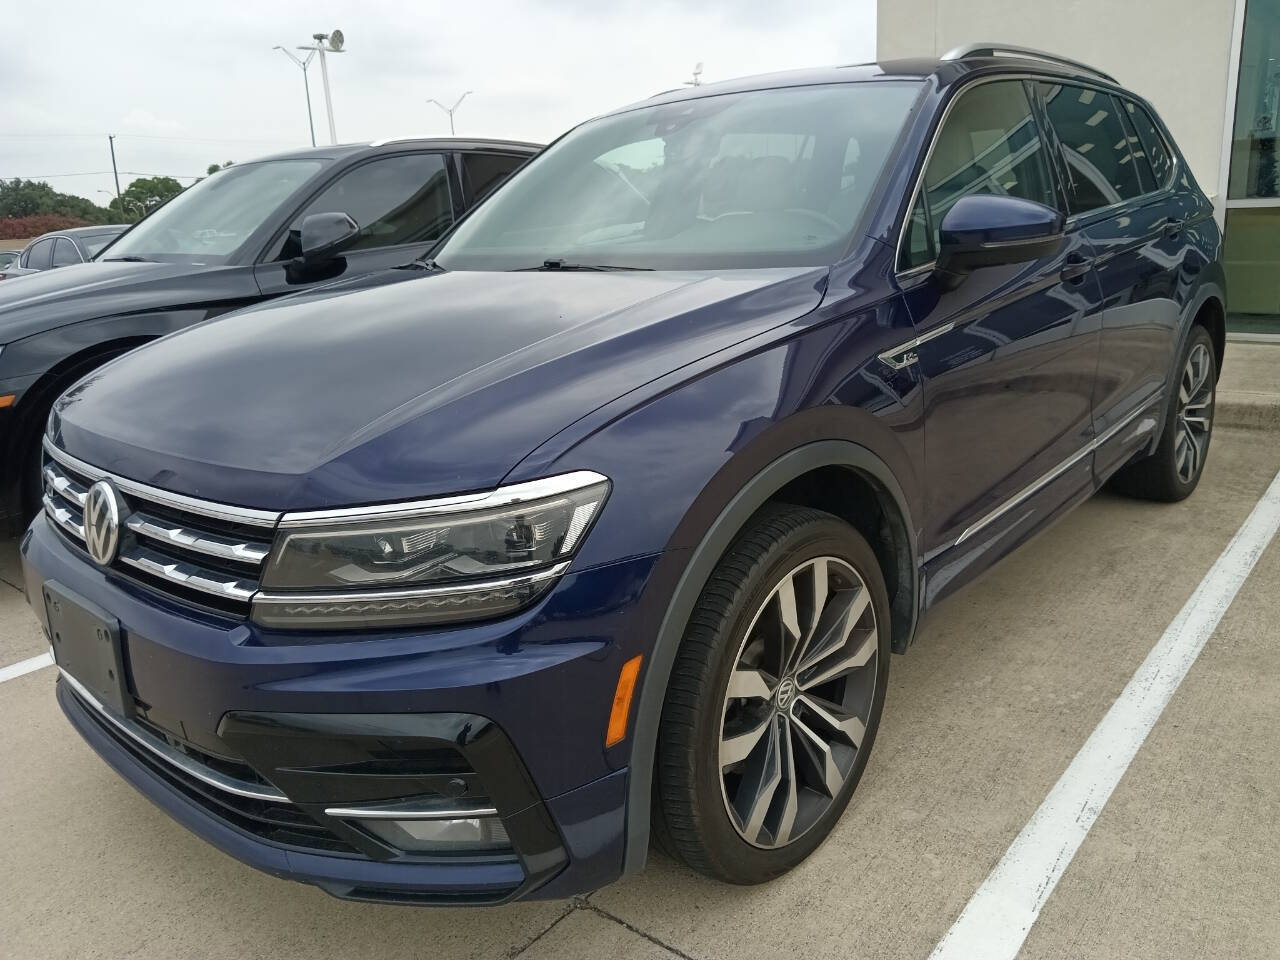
1172	227
1076	267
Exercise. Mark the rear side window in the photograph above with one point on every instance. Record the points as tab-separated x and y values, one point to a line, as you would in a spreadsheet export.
989	145
395	200
1099	167
482	173
1150	144
40	256
64	252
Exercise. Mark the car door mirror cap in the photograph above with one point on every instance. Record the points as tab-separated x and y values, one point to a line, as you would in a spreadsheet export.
324	235
986	230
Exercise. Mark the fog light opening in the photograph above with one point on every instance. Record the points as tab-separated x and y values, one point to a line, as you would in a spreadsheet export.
462	835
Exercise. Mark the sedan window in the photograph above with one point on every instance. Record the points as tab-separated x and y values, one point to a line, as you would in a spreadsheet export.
64	253
39	255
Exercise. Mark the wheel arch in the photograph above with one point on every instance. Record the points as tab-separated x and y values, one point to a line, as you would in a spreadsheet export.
810	475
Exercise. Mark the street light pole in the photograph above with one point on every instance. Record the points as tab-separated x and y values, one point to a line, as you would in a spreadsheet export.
450	110
111	139
327	43
306	85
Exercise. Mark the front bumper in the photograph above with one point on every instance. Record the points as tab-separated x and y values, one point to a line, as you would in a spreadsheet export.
514	711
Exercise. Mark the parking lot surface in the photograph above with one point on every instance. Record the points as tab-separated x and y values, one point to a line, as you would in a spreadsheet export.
1005	683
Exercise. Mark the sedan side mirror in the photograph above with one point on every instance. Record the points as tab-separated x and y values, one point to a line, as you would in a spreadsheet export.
987	230
325	235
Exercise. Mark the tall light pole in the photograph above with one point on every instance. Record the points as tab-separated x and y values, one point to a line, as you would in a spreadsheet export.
311	124
450	110
697	76
327	43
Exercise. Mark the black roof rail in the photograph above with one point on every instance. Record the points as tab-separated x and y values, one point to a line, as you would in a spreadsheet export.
996	49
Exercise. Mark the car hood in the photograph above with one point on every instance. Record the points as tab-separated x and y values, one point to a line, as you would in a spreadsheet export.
410	386
39	301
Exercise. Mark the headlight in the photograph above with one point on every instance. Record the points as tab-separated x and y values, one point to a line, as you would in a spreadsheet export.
462	558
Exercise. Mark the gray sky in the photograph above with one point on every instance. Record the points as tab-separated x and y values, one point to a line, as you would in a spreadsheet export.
185	85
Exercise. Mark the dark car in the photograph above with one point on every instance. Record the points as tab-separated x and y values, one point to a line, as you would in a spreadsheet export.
61	248
443	585
235	238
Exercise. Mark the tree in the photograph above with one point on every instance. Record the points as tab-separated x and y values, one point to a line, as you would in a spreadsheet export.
29	198
214	167
145	194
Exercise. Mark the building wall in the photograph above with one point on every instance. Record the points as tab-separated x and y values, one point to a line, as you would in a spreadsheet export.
1176	53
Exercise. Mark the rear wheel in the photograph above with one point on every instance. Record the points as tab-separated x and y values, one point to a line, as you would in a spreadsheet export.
774	699
1173	471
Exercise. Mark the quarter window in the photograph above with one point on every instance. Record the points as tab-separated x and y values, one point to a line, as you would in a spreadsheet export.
395	200
1099	167
64	252
989	145
1151	143
483	172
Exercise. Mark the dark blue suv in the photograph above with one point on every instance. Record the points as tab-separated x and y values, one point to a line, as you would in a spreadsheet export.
454	584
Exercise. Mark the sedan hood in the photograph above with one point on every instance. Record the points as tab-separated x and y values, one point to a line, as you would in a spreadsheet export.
439	383
36	302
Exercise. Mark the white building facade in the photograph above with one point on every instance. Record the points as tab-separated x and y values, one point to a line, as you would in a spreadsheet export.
1212	69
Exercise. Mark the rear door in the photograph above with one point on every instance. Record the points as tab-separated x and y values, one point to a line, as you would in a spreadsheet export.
403	203
1009	356
1120	200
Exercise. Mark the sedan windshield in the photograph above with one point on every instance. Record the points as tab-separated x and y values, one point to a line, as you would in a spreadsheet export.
763	178
209	221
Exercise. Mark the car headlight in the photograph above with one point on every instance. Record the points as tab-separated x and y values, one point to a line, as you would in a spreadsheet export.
462	558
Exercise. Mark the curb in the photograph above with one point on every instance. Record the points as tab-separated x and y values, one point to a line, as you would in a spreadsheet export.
1247	411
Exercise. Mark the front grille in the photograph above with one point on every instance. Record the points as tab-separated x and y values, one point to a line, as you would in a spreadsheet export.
203	553
271	818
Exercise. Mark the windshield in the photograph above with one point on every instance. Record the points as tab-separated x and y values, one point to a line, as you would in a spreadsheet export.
209	221
764	178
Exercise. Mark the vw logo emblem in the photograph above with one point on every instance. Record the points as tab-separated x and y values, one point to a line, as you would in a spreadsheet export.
786	690
102	511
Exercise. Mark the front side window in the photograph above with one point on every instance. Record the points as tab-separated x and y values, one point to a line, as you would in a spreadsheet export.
482	173
753	179
211	220
1099	168
94	243
64	252
40	256
990	144
395	200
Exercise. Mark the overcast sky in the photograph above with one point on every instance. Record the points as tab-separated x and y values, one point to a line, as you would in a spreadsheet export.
183	86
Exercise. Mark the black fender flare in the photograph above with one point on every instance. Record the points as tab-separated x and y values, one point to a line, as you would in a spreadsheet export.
697	570
1209	290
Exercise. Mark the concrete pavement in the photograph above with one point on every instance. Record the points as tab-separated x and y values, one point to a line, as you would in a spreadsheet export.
1005	683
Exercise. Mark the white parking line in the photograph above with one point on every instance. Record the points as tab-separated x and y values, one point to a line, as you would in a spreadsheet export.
23	667
996	921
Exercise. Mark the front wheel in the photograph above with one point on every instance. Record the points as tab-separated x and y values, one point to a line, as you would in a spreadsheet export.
774	699
1173	471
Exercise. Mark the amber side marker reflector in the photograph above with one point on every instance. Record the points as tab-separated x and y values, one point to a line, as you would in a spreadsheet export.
7	400
622	701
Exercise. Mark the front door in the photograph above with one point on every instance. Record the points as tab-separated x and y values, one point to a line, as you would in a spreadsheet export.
402	204
1008	357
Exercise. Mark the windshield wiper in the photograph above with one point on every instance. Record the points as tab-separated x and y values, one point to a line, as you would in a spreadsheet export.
126	260
548	265
420	264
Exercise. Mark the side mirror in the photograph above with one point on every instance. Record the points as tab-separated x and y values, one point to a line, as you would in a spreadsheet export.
988	230
325	235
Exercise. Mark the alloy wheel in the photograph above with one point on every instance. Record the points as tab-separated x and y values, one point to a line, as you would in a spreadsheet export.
798	701
1195	414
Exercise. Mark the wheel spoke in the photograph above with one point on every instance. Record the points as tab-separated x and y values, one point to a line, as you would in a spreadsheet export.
850	727
863	650
834	626
760	782
791	800
748	684
739	746
830	779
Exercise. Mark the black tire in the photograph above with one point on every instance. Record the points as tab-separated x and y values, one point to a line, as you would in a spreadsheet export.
691	804
1163	475
31	446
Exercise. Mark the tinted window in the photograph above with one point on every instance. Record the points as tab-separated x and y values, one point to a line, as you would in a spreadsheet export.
96	241
40	256
209	221
402	199
482	172
989	145
64	252
752	179
1150	144
1099	166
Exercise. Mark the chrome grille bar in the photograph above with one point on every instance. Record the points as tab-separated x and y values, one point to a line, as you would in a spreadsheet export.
189	575
64	486
197	541
64	518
